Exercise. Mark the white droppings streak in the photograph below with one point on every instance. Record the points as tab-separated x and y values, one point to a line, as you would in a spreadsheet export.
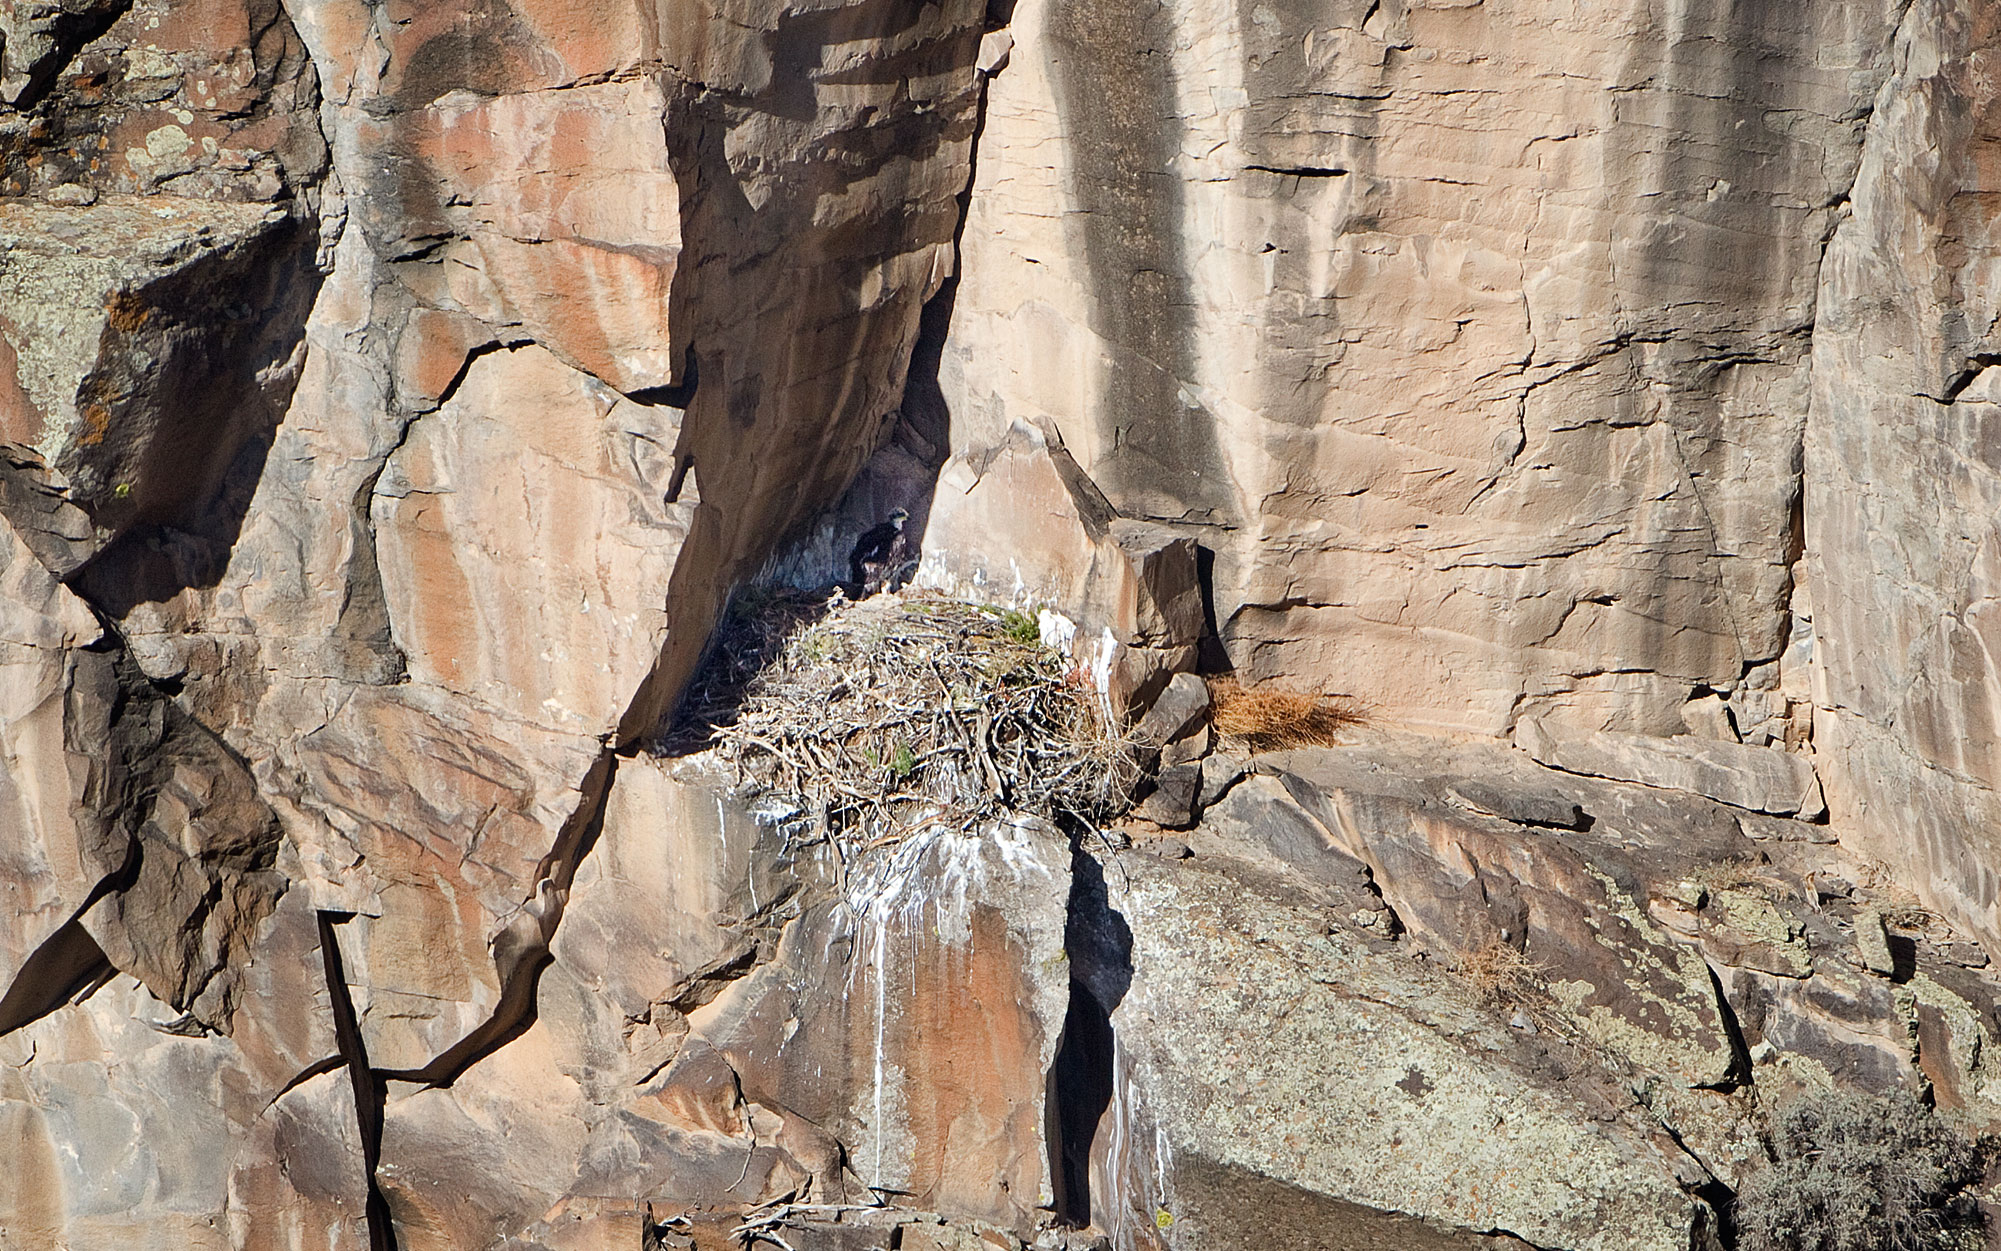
1101	668
932	876
881	983
1117	1197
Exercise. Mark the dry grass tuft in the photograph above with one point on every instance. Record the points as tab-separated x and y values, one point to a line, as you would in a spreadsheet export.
1266	718
880	717
1504	974
1513	985
1747	873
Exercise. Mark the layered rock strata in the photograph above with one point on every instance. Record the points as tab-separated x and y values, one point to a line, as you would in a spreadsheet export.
1473	340
395	397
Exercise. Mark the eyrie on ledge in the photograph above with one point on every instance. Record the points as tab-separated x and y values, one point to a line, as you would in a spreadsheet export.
1515	481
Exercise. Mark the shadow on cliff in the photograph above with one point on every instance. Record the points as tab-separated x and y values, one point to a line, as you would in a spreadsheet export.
904	469
370	1092
201	370
1083	1081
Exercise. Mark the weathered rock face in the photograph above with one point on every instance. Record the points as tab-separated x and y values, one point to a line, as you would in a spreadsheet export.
394	396
1901	473
1490	354
1472	339
1239	1064
157	342
211	99
357	658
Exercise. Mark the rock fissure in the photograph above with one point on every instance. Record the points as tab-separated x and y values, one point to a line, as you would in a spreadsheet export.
520	947
370	1093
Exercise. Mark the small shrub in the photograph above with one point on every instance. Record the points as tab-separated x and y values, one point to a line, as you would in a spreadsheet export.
1855	1172
1503	972
1511	983
1269	719
1908	918
1739	873
1020	627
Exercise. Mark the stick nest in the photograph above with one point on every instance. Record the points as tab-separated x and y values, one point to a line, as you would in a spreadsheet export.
887	715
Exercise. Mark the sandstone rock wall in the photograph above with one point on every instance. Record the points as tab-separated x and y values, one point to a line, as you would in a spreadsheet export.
395	396
1900	476
1471	339
358	523
1514	366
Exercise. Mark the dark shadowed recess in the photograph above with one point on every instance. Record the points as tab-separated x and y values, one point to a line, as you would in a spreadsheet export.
186	365
751	636
75	24
65	969
68	967
903	468
1081	1082
369	1091
727	407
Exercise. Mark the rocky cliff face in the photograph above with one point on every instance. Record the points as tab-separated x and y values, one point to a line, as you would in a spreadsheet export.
395	398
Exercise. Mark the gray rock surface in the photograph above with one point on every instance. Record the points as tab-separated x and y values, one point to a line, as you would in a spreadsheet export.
1761	779
1177	711
1243	1011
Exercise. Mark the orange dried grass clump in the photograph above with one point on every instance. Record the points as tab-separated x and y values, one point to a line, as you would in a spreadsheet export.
1269	719
1508	981
1504	974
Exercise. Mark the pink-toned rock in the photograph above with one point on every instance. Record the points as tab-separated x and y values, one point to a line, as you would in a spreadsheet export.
672	892
571	215
1481	375
1455	356
933	1093
46	874
525	553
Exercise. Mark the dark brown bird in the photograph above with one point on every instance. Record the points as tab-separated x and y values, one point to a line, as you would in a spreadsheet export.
879	554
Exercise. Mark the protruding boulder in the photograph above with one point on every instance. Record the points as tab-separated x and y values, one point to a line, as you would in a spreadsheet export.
1177	712
147	347
1254	1043
1021	524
